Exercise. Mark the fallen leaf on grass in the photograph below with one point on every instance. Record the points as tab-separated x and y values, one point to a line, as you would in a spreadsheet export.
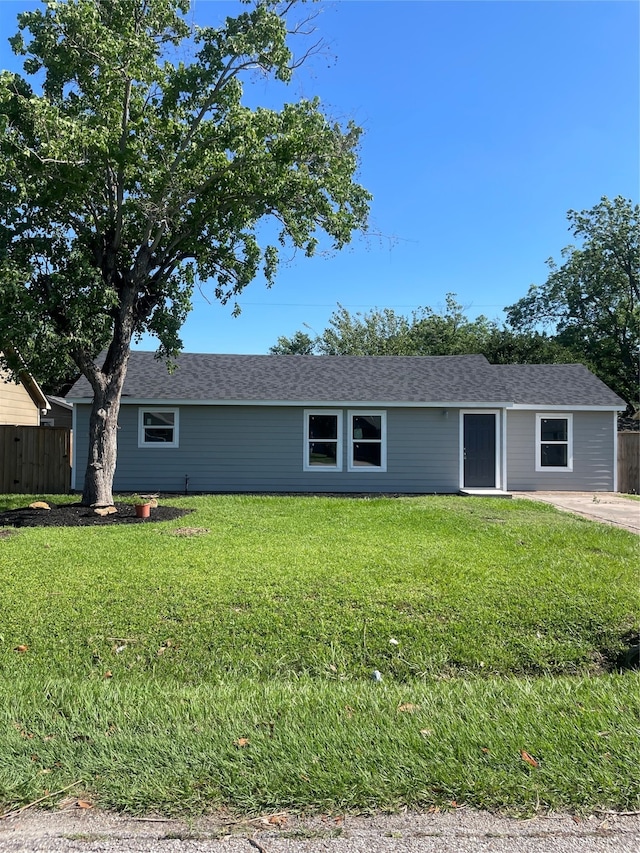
21	648
408	708
426	732
83	804
278	819
168	644
485	750
108	674
529	758
242	741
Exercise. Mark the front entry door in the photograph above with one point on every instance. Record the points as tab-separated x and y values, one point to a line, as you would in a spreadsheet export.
479	450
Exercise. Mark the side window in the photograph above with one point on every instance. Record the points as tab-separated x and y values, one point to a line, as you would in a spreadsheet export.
367	441
322	440
158	427
554	442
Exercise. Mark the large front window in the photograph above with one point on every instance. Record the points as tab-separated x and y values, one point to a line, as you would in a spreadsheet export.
158	428
367	441
323	441
554	440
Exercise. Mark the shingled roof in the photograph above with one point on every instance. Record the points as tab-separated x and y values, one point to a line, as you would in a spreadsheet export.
201	377
556	385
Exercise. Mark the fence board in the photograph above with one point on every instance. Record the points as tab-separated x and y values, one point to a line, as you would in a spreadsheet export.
629	462
35	460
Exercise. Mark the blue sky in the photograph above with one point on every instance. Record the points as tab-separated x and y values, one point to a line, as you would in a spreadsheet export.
485	122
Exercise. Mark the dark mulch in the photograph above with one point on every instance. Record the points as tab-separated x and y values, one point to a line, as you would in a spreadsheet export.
75	515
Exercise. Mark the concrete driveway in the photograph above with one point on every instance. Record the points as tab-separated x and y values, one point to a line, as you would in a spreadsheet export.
606	507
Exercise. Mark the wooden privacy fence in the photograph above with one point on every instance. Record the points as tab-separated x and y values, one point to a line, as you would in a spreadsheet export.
628	462
35	460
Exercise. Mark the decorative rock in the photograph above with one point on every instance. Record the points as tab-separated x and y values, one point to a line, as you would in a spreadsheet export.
104	510
39	505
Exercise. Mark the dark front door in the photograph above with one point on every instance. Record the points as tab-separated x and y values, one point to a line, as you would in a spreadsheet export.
479	451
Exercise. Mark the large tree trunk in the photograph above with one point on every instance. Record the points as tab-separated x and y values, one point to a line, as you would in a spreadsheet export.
103	448
103	425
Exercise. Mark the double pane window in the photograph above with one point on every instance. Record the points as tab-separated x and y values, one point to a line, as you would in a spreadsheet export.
554	443
366	434
158	428
367	441
323	445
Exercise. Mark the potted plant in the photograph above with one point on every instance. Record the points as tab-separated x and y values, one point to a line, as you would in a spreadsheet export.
142	507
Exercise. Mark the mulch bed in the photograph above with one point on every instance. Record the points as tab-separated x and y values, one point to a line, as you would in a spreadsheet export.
76	515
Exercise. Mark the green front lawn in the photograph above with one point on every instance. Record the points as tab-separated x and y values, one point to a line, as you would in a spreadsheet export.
149	654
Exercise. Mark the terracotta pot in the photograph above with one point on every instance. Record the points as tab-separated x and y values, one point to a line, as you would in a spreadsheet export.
143	510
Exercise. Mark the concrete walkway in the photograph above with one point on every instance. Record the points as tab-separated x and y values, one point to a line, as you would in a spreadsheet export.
462	831
606	507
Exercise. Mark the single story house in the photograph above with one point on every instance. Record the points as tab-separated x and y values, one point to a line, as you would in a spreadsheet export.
274	423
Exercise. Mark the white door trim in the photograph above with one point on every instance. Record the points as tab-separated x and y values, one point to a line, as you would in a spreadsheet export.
499	445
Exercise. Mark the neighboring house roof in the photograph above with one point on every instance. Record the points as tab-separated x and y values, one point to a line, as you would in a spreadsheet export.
60	401
15	361
451	379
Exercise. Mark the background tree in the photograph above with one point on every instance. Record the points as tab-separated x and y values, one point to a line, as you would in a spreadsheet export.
592	300
424	332
138	170
299	344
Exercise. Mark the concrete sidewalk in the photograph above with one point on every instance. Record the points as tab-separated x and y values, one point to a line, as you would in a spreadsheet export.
462	831
606	507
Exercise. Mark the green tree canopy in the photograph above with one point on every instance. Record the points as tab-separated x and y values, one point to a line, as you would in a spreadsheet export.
591	302
137	170
425	332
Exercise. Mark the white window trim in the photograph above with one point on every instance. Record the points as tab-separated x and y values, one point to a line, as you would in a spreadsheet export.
554	469
306	465
362	469
159	445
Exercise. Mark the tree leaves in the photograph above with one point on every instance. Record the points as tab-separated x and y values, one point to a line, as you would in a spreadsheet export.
425	332
592	300
131	176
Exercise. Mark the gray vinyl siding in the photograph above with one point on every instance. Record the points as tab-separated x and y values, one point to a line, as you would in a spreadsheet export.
261	449
593	443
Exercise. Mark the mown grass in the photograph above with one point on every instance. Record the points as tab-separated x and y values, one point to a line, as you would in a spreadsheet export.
150	654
